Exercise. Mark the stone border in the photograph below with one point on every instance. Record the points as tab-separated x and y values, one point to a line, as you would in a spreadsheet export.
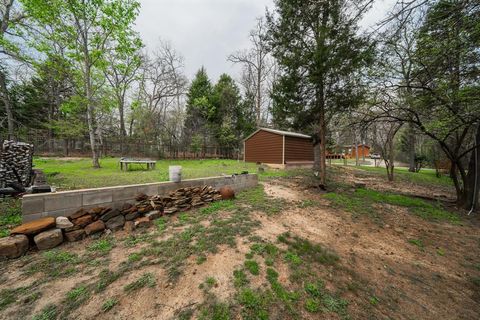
65	203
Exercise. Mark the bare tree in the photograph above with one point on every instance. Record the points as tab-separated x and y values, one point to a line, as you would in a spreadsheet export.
10	16
384	143
257	67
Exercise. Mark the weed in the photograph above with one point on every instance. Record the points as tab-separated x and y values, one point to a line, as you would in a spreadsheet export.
102	246
201	259
133	240
293	258
440	252
253	267
54	263
76	297
214	311
314	289
146	280
312	305
50	312
161	224
134	257
185	314
210	282
374	300
269	261
240	278
109	304
255	304
417	242
335	304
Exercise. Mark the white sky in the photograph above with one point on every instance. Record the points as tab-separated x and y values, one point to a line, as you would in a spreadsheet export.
205	32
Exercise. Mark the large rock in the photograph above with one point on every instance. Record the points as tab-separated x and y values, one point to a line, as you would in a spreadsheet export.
63	223
110	214
132	216
83	221
97	226
227	192
48	239
79	213
75	235
34	227
14	246
153	215
143	222
129	226
115	223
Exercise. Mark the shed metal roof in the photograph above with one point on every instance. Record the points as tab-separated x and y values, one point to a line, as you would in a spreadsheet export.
280	132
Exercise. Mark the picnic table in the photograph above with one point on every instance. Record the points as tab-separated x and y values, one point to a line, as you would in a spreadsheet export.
125	162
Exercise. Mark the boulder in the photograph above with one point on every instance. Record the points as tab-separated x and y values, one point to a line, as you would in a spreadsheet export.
48	239
143	222
132	216
79	213
83	221
73	228
129	226
227	192
63	223
110	214
116	223
75	235
152	215
34	227
14	246
95	227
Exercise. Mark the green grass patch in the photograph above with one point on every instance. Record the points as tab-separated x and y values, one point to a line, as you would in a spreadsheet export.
362	202
50	312
254	304
146	280
217	206
239	278
257	199
109	304
303	250
102	246
417	242
10	215
54	263
75	298
252	266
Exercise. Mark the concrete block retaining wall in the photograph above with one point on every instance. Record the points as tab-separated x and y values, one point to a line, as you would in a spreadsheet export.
65	203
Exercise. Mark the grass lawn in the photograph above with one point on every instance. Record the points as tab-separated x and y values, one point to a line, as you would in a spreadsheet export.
79	174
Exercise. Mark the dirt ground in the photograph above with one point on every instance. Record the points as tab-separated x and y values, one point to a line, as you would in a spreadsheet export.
404	268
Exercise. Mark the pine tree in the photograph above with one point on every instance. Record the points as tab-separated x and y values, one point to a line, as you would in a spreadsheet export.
320	54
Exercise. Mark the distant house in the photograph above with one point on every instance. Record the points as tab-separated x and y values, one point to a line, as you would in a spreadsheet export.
363	151
278	147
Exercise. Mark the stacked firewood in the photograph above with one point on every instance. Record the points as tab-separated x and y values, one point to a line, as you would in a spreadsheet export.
16	163
179	200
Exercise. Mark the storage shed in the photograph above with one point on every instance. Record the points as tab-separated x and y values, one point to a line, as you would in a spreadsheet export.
278	147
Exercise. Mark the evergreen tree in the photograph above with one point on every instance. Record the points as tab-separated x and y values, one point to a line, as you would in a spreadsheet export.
199	107
320	55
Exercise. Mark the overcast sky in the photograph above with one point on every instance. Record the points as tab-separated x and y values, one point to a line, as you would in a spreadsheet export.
205	32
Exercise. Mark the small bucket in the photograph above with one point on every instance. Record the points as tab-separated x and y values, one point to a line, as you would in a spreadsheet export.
175	173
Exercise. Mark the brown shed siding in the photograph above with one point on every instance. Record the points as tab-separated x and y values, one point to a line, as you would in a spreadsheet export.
265	147
298	149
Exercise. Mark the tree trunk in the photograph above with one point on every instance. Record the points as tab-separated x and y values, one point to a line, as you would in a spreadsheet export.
323	153
8	105
91	116
472	182
411	149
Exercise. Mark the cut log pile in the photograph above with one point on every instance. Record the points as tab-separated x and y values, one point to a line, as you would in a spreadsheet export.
49	232
15	163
